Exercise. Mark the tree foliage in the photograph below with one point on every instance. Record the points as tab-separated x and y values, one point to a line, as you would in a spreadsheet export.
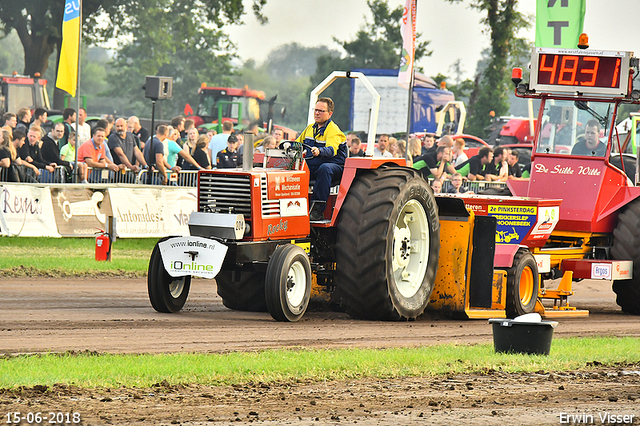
503	22
38	23
378	45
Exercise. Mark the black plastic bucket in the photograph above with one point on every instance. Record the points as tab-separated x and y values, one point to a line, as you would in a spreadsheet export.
533	338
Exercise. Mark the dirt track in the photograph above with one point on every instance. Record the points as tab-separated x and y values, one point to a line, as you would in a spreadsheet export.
114	315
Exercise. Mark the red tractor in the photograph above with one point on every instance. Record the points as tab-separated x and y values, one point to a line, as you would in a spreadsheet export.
380	239
597	235
18	91
386	249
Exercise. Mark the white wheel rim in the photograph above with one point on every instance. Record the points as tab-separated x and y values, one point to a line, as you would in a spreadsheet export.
410	251
176	287
296	284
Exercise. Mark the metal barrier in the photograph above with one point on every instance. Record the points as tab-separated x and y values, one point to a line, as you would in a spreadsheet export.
187	178
58	175
476	186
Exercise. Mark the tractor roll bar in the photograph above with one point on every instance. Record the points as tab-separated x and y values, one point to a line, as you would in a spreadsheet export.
375	103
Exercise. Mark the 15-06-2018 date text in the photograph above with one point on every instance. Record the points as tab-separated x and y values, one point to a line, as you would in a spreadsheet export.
51	417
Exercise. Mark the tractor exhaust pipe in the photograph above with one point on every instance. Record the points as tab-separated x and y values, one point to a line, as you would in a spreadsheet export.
247	152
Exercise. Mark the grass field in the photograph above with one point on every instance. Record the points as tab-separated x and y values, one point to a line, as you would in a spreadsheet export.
72	256
106	370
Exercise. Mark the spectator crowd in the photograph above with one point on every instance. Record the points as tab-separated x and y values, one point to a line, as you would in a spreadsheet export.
123	147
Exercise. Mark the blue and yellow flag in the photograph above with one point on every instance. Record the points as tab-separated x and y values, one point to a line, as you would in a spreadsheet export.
559	23
68	67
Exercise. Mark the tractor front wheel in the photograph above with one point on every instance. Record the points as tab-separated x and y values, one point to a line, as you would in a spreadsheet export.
522	284
387	245
167	294
288	283
626	246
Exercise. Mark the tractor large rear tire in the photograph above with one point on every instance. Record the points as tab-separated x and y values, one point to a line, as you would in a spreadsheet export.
626	246
523	284
387	246
242	290
167	294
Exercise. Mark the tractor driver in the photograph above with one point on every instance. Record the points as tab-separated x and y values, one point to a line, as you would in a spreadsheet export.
591	144
326	156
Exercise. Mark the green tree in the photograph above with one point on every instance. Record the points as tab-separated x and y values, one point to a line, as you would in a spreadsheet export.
503	22
38	23
377	45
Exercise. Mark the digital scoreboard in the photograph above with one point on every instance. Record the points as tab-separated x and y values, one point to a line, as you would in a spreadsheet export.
588	72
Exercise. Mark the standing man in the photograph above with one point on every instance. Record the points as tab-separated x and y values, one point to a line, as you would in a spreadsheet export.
154	155
24	120
219	142
138	130
83	130
325	157
278	135
69	116
40	116
382	150
10	122
229	158
123	147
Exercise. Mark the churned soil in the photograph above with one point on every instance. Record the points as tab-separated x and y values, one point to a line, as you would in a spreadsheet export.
114	315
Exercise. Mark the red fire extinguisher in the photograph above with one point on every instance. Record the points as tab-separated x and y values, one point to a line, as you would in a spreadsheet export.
103	246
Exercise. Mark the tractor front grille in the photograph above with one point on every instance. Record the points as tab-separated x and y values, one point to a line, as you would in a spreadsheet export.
269	207
225	194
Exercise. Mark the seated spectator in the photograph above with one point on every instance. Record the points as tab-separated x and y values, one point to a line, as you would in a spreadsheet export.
267	143
456	185
14	168
68	153
428	144
9	173
92	152
415	150
476	167
459	155
105	124
393	146
31	152
229	158
355	149
50	152
436	185
172	151
436	166
200	154
123	147
401	152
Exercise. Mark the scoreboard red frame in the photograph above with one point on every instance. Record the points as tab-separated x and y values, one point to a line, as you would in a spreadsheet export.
588	72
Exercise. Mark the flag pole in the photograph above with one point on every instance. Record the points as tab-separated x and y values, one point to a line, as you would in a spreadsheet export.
76	178
414	8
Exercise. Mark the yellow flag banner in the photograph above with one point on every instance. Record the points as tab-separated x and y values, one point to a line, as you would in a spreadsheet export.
68	67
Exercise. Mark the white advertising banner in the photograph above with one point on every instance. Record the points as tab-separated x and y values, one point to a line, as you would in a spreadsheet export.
150	212
27	211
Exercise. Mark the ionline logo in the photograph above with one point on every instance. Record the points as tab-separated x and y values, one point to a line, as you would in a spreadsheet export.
179	265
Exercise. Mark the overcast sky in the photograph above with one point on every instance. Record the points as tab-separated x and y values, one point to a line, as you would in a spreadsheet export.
454	30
